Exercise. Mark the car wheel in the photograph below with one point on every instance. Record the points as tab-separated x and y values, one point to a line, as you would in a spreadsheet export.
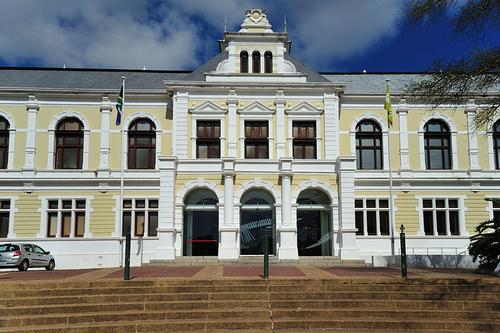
51	265
24	265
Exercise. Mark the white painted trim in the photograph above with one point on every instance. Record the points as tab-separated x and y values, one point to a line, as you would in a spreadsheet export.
258	183
385	135
270	140
12	210
461	209
303	108
298	117
453	137
256	108
315	184
131	118
207	107
208	116
44	214
12	139
491	152
198	184
51	138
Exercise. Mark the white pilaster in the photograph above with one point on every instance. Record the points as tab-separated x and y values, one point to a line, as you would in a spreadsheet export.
471	131
288	228
30	149
180	120
104	147
348	248
232	144
331	102
228	247
403	136
280	124
166	229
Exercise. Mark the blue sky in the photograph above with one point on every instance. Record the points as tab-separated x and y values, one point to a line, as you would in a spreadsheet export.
328	35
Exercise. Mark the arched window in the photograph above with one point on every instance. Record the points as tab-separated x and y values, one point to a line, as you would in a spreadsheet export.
256	62
244	62
496	143
268	62
142	144
314	237
69	144
437	145
4	142
368	145
257	217
201	223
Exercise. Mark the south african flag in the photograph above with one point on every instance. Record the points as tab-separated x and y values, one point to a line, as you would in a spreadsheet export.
119	105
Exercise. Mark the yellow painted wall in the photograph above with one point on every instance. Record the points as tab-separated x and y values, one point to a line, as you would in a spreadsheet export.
27	217
102	218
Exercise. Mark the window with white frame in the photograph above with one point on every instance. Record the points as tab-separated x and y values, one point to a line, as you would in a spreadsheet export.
66	217
141	216
4	217
441	217
372	217
495	207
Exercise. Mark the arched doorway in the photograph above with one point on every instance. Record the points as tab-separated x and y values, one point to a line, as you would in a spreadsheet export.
257	215
314	227
201	224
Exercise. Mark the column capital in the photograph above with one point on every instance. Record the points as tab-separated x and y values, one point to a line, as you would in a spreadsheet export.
471	106
232	97
285	166
106	104
346	163
168	162
32	104
228	166
280	98
402	107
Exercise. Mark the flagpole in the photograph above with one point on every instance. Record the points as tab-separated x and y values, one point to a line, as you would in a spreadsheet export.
122	171
391	206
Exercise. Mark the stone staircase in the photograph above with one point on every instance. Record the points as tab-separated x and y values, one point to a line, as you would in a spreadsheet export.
298	305
321	261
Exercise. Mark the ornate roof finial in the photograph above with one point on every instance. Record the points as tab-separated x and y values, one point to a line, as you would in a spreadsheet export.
256	21
284	21
225	23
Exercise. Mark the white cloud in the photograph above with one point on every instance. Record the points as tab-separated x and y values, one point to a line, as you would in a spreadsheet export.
169	34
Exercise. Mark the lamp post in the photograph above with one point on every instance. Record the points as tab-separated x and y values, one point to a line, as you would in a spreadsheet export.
404	268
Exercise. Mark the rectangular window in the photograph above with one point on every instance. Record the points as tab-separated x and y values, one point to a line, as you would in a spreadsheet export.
207	139
441	217
66	216
141	215
304	139
256	139
496	208
372	217
4	217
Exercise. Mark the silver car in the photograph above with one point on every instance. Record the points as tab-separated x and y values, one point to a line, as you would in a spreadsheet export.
24	256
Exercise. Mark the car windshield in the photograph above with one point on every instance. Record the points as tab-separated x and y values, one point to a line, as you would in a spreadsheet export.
8	248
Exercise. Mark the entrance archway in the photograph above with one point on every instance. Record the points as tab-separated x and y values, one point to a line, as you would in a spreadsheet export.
201	224
314	223
257	214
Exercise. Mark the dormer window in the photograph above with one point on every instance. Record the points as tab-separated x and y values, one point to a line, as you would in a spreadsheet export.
244	62
268	62
256	62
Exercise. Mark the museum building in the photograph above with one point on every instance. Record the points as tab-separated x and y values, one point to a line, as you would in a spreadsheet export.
251	140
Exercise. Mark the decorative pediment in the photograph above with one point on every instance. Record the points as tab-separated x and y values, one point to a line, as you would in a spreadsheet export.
305	109
223	66
256	108
207	108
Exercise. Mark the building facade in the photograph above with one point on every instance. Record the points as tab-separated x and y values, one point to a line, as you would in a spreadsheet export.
251	140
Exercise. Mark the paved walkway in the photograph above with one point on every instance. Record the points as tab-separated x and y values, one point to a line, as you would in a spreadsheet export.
234	272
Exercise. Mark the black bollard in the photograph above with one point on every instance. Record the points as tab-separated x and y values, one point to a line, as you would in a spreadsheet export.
266	253
126	271
404	267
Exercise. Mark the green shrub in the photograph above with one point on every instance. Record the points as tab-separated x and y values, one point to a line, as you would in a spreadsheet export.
485	245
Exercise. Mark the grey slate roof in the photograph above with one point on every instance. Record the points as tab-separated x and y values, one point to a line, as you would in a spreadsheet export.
85	79
366	83
312	75
210	66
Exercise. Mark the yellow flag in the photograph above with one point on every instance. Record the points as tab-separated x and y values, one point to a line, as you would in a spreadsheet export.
387	104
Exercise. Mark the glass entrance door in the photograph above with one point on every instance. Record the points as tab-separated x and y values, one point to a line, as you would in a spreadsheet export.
201	229
253	225
313	233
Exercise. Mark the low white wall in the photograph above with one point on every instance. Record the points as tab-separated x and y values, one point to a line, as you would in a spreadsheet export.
95	252
431	261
